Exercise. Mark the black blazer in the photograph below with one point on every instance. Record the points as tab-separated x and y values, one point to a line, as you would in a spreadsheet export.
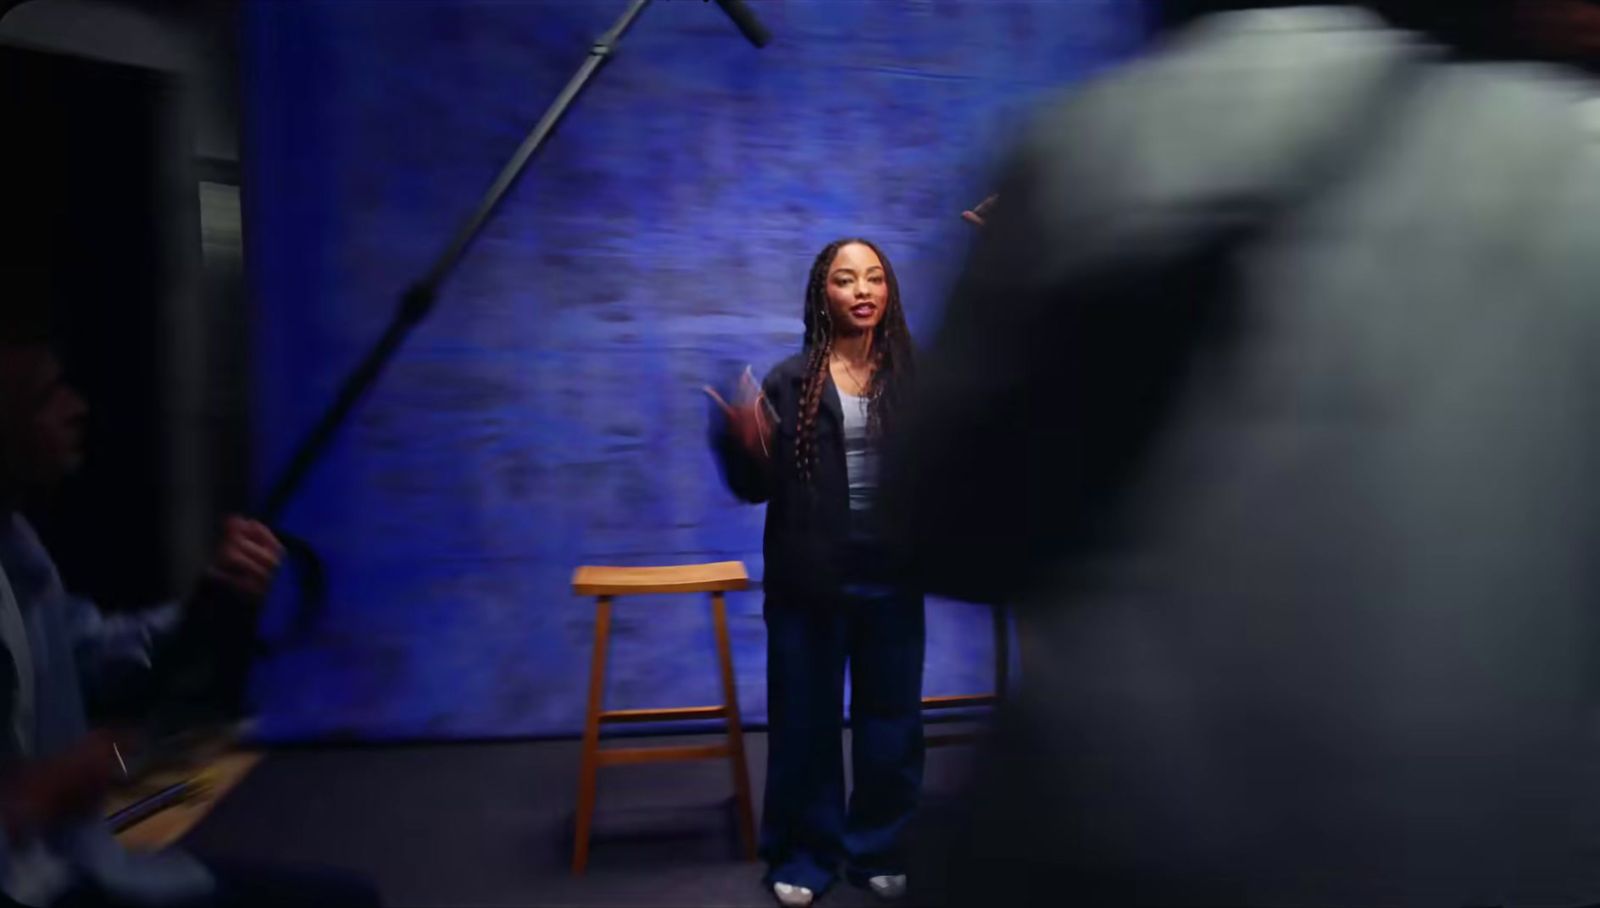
807	523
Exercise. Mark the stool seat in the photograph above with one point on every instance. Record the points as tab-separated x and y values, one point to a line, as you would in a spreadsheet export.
719	577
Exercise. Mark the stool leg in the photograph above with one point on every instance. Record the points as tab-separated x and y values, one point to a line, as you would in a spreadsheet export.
730	699
591	735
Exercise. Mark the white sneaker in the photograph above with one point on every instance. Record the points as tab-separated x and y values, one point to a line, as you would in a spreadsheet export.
888	887
793	896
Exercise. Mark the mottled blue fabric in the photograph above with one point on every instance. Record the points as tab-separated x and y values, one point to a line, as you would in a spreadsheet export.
548	414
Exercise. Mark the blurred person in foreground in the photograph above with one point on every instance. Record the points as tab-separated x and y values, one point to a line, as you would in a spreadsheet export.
55	848
1270	395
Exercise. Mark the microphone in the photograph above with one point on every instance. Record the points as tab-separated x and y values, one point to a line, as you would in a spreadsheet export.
748	24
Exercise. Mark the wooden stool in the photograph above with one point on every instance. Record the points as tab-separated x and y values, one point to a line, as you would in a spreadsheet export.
603	583
1002	682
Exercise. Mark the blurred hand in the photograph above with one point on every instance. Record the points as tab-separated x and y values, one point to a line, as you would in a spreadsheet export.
749	419
247	557
69	785
978	216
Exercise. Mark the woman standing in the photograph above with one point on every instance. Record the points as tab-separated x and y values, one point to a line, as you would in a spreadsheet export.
806	442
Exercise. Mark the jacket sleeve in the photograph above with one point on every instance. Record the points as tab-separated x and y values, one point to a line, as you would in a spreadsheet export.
111	647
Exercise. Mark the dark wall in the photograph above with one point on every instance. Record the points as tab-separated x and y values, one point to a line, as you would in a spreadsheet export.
549	415
87	232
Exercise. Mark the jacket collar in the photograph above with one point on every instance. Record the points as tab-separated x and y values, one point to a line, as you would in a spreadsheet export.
830	402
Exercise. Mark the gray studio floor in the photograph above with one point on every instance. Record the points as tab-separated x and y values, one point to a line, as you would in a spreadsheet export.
490	825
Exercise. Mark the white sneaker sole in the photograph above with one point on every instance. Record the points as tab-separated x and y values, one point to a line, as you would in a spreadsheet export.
888	888
792	896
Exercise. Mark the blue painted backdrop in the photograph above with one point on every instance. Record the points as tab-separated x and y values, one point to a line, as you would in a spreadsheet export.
547	414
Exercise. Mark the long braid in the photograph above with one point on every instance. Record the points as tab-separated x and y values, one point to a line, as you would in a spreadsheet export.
805	441
819	345
891	348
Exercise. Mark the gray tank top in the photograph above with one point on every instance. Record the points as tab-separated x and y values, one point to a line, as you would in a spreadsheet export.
860	461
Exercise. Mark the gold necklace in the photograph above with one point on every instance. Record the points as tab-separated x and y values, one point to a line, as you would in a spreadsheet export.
862	384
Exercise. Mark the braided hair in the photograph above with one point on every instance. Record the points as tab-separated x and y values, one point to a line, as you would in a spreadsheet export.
891	354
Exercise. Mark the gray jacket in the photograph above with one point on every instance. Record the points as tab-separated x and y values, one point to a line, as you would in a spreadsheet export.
1272	396
53	644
